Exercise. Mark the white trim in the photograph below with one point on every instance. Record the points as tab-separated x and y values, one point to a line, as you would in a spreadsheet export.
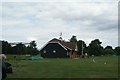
68	48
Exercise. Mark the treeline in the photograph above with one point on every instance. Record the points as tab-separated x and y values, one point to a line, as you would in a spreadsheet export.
94	48
19	48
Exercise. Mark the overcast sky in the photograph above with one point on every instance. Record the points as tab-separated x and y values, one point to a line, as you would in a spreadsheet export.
43	20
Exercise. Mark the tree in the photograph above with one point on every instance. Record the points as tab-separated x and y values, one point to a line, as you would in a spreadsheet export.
81	47
95	48
108	50
19	49
73	39
6	47
117	50
32	48
33	44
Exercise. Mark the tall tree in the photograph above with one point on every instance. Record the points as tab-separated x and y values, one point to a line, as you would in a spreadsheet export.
6	47
95	48
117	50
73	39
108	50
20	48
33	44
81	45
32	48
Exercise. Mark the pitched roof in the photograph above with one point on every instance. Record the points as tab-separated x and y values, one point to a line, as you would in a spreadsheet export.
69	45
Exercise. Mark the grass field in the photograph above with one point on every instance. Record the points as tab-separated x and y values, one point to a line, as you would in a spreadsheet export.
65	68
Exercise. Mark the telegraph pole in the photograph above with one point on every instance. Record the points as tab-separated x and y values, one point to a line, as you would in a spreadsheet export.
82	48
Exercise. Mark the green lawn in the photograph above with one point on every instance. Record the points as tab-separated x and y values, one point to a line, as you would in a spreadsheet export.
65	68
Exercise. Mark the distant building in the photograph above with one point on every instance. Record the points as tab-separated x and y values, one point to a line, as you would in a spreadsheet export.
58	48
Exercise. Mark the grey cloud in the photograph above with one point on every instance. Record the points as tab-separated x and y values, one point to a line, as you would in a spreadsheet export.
46	20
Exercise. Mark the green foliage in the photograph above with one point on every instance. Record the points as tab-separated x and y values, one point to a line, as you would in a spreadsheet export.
81	47
117	50
73	39
95	48
19	48
108	50
33	44
6	47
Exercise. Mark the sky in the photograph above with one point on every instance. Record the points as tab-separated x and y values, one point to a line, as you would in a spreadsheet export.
27	20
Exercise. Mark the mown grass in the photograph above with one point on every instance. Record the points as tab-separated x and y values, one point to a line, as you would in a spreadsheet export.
65	68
